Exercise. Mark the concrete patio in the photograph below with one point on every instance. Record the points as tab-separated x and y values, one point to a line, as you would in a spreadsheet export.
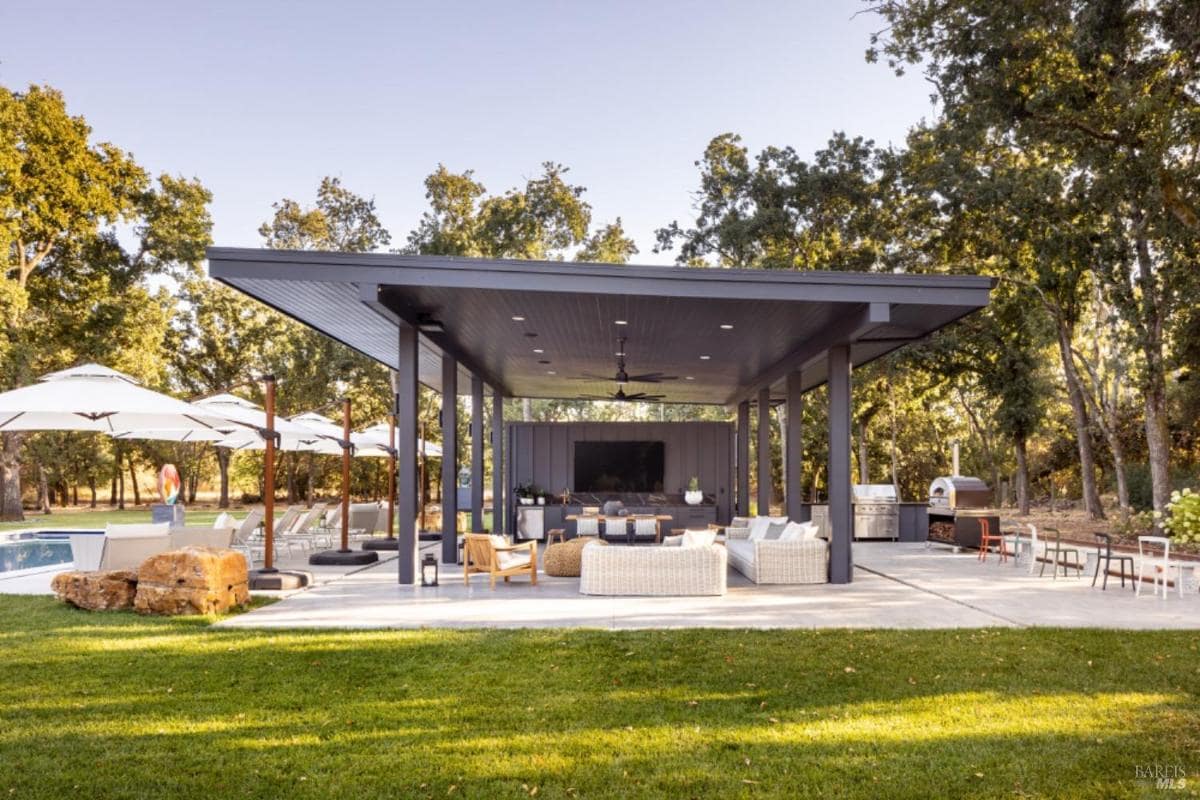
896	585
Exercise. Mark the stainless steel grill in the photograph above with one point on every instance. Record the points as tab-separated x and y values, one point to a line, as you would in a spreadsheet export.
876	511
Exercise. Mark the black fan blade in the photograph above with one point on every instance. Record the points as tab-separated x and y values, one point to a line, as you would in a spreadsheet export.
652	377
587	376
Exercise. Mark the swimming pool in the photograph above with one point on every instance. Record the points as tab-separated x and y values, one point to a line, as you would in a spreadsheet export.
34	549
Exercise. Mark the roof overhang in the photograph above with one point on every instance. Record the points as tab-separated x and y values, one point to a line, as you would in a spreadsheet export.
754	326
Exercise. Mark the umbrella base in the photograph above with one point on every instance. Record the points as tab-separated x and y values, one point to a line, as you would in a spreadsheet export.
381	544
273	580
343	558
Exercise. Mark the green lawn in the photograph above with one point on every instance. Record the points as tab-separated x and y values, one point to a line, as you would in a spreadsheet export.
113	705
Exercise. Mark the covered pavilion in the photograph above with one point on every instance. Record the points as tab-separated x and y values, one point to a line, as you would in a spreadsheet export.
505	328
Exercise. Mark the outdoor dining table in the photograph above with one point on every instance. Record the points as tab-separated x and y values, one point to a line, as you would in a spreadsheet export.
623	521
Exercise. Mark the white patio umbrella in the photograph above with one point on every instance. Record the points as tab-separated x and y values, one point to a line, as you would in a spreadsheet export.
375	438
95	398
252	420
329	433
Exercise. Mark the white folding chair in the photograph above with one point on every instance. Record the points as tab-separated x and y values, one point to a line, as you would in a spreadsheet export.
1160	564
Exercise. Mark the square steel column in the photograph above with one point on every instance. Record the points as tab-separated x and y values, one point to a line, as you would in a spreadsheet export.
743	459
794	468
407	491
476	454
764	452
841	514
449	459
499	519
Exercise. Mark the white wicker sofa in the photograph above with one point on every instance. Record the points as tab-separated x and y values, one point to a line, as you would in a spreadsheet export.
669	571
799	557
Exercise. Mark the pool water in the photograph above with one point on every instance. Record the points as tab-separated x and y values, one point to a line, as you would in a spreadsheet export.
37	549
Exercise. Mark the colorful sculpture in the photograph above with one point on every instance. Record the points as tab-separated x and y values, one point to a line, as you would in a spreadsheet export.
168	484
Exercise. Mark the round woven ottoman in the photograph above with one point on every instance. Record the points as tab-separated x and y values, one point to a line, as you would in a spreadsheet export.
562	560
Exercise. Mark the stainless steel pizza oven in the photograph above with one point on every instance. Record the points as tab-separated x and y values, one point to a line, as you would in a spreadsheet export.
956	505
954	492
876	511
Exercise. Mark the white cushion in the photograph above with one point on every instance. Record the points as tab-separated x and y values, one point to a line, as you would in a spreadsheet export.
758	528
793	532
224	520
498	540
811	530
510	560
672	541
698	538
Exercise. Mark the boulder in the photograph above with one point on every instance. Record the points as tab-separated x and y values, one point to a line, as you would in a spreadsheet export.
96	591
192	580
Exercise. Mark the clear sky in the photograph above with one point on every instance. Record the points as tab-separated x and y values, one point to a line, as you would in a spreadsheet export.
261	99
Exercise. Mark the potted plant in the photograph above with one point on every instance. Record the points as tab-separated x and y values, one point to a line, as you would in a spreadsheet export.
524	493
693	496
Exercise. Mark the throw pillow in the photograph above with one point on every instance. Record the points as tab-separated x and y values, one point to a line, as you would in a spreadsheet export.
223	520
758	528
673	541
498	540
775	529
698	538
792	532
811	529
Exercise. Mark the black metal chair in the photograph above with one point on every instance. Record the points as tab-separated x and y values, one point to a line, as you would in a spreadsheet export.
1105	555
1054	551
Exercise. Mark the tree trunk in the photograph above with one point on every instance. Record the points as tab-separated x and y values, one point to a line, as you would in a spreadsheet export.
1158	446
526	410
1087	460
223	470
10	477
43	498
1019	444
92	489
291	478
112	490
309	481
133	481
864	469
75	494
119	472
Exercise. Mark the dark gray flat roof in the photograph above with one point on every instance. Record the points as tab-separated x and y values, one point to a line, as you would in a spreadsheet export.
781	320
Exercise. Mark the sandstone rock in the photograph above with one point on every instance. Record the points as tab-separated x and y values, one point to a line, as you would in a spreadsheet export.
192	580
96	591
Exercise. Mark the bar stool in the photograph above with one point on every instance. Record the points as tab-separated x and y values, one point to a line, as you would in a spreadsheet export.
987	539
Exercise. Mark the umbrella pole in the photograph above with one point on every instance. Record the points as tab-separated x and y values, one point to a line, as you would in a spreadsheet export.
269	480
344	556
269	578
346	475
391	476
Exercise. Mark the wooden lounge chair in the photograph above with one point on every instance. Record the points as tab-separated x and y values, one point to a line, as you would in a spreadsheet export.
493	555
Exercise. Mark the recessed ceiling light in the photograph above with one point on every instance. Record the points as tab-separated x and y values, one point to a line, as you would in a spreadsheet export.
538	350
621	322
726	327
551	372
518	318
689	378
705	358
619	355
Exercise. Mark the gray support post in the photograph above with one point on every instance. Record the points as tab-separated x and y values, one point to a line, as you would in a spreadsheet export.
449	459
841	514
764	451
795	447
743	459
499	520
406	454
476	454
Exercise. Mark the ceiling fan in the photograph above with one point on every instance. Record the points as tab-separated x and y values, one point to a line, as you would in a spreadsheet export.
622	377
620	396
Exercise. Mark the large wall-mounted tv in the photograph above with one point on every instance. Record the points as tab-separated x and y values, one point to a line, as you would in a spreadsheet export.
619	466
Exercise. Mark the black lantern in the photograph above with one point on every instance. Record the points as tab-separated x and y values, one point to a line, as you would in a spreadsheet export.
429	570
